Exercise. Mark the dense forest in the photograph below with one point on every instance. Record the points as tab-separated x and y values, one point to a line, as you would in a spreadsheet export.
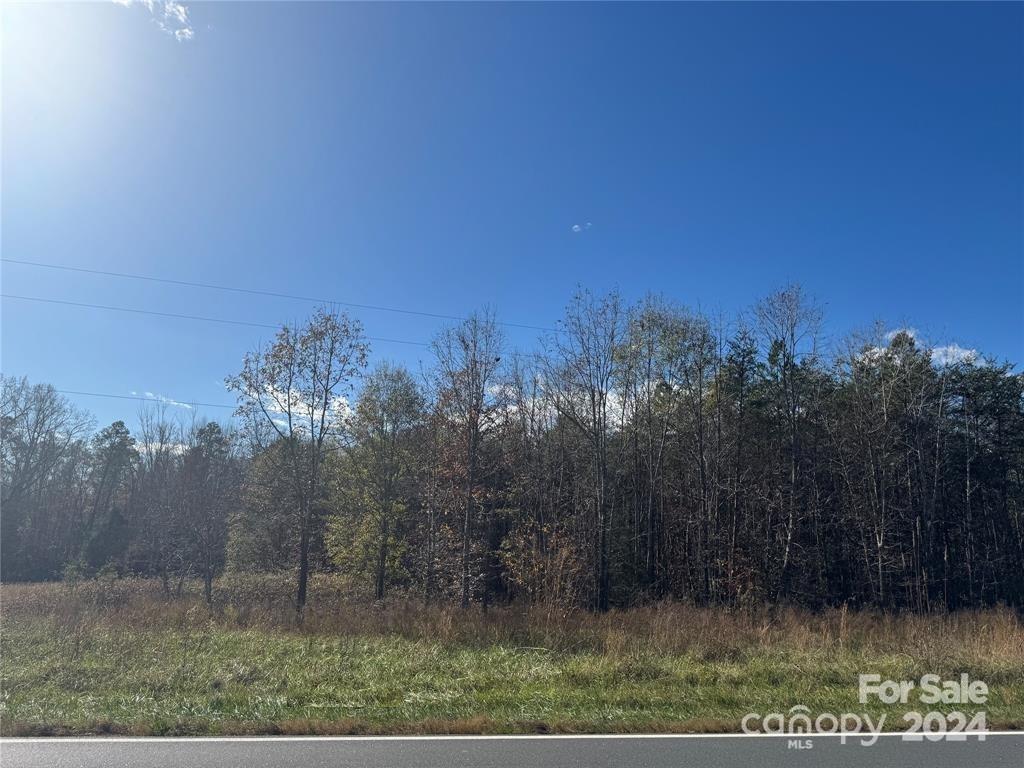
644	452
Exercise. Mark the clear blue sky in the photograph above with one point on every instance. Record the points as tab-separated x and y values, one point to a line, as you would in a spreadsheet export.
436	157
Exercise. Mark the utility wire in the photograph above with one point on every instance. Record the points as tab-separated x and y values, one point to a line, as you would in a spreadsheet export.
178	316
257	292
144	399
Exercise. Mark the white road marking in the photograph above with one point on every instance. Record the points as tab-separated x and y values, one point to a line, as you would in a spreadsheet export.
489	737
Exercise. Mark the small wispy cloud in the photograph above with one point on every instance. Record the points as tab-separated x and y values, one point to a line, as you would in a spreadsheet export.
171	16
951	354
577	228
163	400
911	332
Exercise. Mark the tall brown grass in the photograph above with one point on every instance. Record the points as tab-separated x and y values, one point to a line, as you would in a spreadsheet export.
264	602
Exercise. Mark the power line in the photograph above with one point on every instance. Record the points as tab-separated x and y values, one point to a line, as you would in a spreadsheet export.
163	401
258	292
179	316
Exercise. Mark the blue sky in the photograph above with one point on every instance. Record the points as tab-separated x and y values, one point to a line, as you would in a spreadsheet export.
437	157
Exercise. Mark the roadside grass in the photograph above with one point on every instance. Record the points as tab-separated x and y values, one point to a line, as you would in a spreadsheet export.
122	658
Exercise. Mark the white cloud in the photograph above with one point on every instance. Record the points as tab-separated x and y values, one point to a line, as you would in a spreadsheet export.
951	354
154	448
171	16
911	332
872	354
278	402
176	11
577	228
164	400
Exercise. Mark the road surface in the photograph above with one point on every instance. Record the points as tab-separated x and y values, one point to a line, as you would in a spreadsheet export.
997	751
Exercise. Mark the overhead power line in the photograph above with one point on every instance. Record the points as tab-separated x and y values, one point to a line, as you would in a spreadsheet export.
258	292
179	316
158	400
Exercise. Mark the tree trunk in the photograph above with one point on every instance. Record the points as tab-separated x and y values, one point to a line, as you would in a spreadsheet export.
465	549
300	597
382	555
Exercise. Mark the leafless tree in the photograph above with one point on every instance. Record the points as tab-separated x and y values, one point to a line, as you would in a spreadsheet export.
580	371
299	387
467	377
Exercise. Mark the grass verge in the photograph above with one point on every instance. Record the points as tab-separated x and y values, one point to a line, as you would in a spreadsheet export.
78	667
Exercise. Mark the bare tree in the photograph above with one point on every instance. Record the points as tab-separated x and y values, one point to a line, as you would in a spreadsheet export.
580	372
39	430
160	546
299	388
37	426
790	323
468	363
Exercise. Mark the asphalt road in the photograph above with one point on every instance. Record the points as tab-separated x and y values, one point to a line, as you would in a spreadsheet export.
1005	749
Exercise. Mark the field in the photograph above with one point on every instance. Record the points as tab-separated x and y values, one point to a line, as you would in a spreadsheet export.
118	656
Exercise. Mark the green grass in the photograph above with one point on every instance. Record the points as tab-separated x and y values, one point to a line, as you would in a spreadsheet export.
220	680
121	656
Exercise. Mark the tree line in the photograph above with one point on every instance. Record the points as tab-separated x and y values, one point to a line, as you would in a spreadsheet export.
646	451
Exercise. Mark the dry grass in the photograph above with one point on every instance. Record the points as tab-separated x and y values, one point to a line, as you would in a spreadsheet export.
264	602
119	656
